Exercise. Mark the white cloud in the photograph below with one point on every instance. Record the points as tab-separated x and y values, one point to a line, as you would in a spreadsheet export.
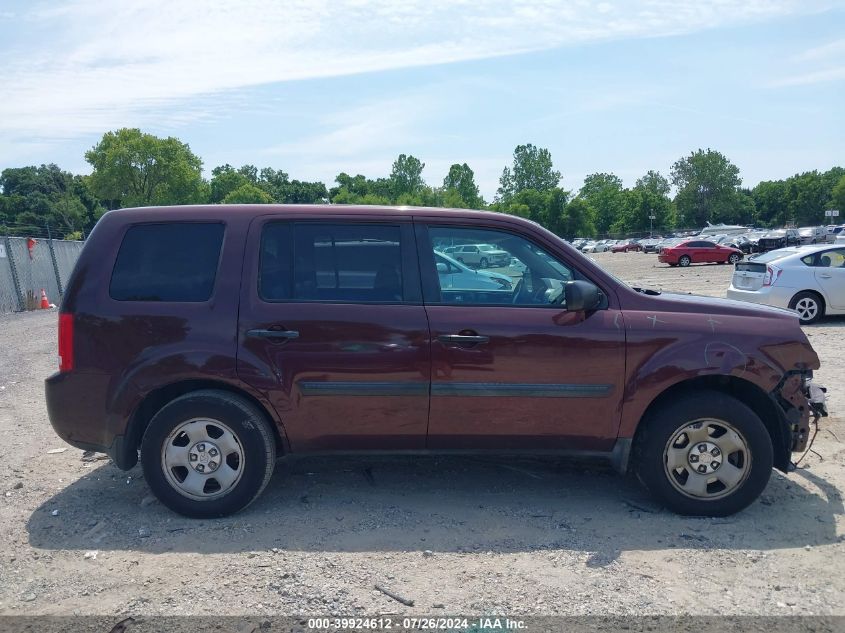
811	77
820	64
94	65
830	50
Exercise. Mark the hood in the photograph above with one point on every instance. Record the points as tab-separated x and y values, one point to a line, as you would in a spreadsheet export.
781	338
677	302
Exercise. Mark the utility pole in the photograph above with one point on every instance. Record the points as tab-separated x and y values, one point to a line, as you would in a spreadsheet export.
651	227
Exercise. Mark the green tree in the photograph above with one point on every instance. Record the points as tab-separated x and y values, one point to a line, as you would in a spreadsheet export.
648	199
837	197
808	197
225	179
133	168
33	197
282	189
654	182
605	195
771	201
577	220
532	169
406	176
708	185
248	194
460	188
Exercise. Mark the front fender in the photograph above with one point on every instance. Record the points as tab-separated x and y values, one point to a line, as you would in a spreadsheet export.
675	348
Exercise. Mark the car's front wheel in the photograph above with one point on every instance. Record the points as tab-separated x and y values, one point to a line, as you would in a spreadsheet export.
809	306
684	261
734	258
483	263
704	454
208	454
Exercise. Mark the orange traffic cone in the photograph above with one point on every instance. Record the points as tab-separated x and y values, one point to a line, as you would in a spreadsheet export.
45	303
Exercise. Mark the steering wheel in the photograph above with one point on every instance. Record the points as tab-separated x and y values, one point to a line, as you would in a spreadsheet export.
533	297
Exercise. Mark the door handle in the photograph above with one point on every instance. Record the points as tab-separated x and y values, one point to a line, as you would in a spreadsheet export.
463	339
285	334
825	275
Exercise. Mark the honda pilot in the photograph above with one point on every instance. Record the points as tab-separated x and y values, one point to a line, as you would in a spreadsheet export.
212	340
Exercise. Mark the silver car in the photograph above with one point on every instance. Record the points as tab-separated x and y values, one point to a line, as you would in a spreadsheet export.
807	279
454	275
482	255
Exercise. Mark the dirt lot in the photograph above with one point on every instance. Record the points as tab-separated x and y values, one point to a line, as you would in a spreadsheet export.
455	535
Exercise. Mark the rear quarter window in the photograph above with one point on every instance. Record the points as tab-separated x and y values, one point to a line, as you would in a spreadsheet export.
170	261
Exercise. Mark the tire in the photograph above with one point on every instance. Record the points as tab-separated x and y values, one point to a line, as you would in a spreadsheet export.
733	437
223	425
809	306
483	263
734	258
684	261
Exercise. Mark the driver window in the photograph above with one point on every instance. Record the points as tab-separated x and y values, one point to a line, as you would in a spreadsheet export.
488	267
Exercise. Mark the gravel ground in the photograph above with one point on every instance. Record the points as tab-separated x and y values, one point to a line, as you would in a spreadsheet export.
454	535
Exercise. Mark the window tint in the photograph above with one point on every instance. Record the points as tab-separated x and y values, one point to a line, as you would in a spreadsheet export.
174	261
274	278
353	262
832	259
499	268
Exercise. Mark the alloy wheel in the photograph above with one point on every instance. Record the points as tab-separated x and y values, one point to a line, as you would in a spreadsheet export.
807	308
202	459
707	459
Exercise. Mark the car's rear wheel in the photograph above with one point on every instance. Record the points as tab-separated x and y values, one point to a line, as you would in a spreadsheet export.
704	454
483	263
684	261
734	258
208	453
809	306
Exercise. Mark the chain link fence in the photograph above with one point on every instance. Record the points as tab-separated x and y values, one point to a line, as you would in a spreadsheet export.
29	265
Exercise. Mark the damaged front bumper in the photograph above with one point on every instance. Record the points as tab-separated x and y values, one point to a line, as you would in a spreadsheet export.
803	403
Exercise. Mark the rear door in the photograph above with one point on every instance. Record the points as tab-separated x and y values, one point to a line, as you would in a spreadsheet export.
511	369
332	330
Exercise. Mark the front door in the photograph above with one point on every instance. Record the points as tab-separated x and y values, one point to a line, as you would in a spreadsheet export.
333	332
830	275
511	367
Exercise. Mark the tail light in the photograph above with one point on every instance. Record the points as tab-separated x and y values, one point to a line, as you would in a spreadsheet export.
65	342
772	275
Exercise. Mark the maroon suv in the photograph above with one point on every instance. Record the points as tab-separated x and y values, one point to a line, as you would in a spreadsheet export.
214	338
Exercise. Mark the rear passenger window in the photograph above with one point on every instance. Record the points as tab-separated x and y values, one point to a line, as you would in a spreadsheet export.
173	261
354	262
274	279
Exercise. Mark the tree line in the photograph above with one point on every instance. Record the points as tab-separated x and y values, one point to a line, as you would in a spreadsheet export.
133	168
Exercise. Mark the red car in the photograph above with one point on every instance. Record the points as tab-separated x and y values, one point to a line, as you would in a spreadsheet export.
625	247
698	252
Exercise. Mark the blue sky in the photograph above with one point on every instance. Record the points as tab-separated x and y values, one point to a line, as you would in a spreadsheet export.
316	87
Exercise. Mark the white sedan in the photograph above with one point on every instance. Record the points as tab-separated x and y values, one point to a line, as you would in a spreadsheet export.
807	279
597	247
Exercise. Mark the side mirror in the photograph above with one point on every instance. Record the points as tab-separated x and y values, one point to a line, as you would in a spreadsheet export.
442	268
581	296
